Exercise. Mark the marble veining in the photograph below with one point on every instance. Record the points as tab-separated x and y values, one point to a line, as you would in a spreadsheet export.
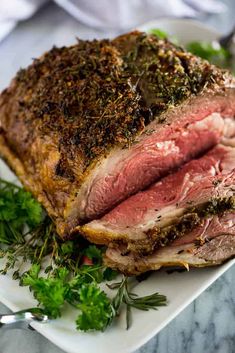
205	326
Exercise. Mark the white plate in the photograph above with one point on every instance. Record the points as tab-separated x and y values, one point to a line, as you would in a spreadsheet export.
180	288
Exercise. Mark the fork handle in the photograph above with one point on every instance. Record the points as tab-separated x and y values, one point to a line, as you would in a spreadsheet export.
22	319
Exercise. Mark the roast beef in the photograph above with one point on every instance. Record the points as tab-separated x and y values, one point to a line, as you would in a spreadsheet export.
211	243
172	206
85	127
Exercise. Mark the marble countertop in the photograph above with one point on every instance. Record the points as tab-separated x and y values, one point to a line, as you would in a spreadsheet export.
208	324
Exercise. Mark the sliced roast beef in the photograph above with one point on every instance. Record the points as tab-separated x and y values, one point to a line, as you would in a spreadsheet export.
211	243
85	127
171	206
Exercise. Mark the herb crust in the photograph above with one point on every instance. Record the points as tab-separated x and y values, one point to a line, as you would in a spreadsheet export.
96	95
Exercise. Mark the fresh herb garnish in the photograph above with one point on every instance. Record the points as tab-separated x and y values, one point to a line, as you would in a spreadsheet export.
131	300
17	209
61	272
93	253
83	292
96	308
159	33
216	55
49	292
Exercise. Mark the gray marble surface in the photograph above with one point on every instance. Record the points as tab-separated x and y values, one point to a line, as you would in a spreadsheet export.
208	324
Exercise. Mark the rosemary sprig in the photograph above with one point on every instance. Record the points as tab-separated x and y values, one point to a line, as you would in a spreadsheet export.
131	300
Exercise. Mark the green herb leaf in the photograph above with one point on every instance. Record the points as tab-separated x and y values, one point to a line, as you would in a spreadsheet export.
96	309
216	55
124	295
109	274
50	292
17	209
94	272
67	248
94	253
32	275
158	33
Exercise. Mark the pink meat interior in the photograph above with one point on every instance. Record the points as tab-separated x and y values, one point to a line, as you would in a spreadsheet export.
210	228
199	180
151	158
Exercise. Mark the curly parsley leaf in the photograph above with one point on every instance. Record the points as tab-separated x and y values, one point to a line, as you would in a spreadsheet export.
81	291
94	254
17	209
29	210
96	308
49	292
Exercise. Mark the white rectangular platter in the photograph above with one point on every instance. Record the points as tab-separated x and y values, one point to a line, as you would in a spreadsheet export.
180	288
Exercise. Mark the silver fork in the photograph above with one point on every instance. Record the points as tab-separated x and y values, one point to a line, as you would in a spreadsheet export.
22	319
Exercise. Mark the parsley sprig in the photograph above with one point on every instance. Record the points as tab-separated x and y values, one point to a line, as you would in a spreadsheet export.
17	209
97	311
